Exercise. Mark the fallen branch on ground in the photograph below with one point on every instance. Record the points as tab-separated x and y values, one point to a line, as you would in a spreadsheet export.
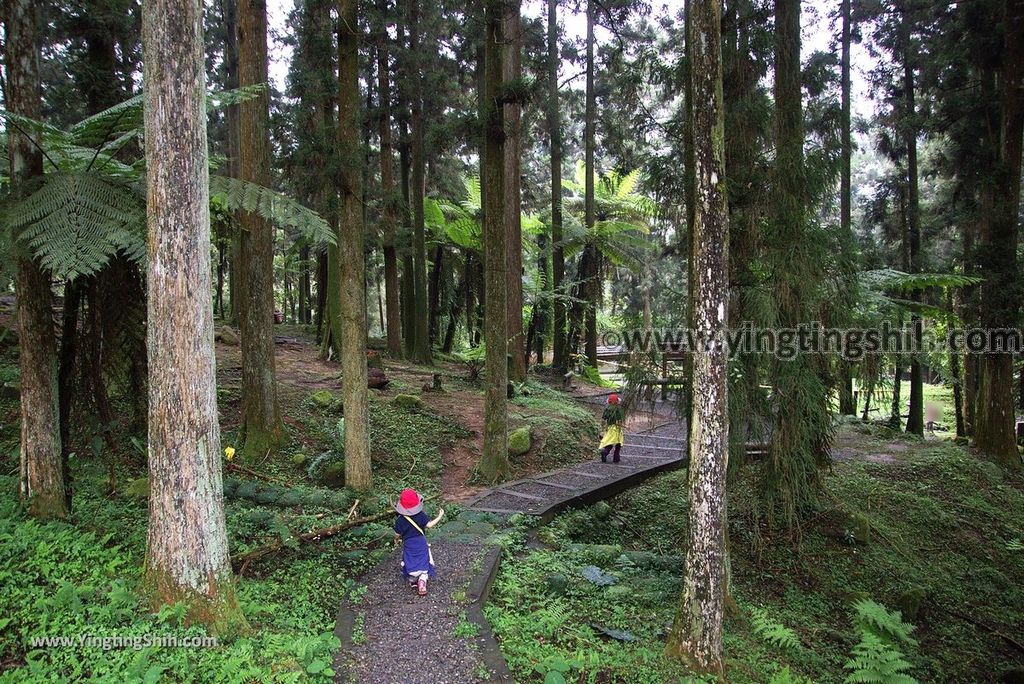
241	562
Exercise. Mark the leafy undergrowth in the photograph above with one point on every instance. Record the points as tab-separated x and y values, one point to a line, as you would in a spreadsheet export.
935	538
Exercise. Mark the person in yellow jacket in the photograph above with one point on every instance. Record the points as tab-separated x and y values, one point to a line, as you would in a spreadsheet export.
613	418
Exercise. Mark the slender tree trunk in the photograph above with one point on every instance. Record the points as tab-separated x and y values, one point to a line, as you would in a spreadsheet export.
434	290
542	307
557	250
391	200
234	144
352	275
513	72
261	415
847	406
696	636
994	430
915	419
421	348
494	460
42	471
187	547
591	282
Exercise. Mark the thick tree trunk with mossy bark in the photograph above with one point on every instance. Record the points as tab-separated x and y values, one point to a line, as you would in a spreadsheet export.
261	415
1000	291
696	635
800	436
187	547
557	250
494	461
512	73
42	484
352	275
390	200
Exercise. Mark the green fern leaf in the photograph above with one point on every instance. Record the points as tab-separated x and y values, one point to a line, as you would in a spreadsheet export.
75	222
272	205
887	625
774	632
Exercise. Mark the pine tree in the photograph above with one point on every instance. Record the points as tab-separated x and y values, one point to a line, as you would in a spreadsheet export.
390	211
696	636
187	548
557	251
261	414
421	351
350	252
513	72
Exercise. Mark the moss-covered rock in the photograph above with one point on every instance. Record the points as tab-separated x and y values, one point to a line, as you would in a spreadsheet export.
334	474
911	601
374	360
138	489
323	398
860	528
300	459
519	441
602	510
557	583
408	401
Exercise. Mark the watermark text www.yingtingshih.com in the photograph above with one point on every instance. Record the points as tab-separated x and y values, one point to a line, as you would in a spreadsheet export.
852	344
135	642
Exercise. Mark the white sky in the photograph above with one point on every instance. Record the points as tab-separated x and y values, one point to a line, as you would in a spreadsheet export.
817	34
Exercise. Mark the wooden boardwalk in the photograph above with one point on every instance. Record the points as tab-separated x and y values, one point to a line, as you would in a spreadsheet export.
644	454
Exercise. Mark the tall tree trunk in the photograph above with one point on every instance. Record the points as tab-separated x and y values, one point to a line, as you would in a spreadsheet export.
847	406
234	144
42	484
799	441
350	251
915	419
696	636
494	459
542	306
391	200
557	249
591	282
187	546
434	289
421	347
261	415
513	72
994	419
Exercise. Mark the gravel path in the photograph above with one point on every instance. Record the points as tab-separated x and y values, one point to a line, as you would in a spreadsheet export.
411	639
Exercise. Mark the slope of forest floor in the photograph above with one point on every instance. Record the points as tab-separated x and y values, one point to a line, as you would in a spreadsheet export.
926	528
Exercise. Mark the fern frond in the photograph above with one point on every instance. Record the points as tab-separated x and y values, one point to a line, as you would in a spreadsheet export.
887	625
772	631
239	195
873	661
75	222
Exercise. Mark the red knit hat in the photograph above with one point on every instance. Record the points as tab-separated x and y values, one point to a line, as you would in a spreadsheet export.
409	502
613	398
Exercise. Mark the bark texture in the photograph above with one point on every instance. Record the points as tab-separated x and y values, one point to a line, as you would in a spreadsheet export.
557	250
696	635
391	200
421	351
589	280
994	411
42	484
350	255
494	460
512	73
261	415
187	546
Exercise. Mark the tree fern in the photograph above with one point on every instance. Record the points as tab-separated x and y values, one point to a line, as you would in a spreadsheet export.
76	221
239	195
772	631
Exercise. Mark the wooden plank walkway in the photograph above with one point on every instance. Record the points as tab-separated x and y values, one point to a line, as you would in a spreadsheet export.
644	455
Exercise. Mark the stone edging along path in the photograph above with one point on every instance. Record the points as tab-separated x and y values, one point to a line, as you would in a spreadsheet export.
413	639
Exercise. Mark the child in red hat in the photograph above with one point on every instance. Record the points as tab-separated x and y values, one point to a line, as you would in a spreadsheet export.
613	417
411	527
